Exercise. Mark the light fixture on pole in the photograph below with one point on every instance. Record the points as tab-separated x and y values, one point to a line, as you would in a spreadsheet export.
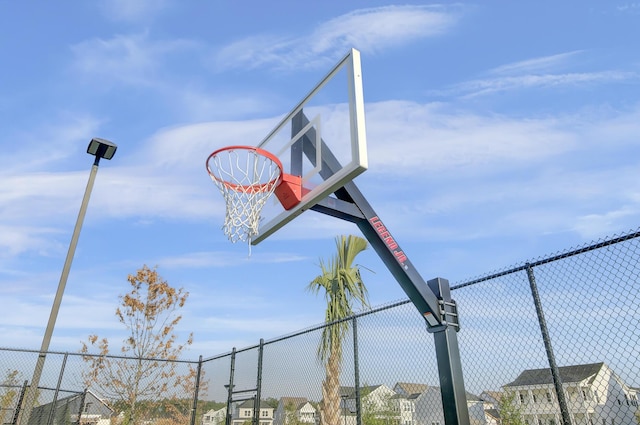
100	148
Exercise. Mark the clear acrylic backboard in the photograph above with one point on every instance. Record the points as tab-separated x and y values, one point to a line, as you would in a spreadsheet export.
327	123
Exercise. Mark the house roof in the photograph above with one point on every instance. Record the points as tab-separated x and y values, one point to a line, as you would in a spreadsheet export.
469	396
64	400
249	403
575	373
491	395
493	413
411	388
350	392
296	402
405	397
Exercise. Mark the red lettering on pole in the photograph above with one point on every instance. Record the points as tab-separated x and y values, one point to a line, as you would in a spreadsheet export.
388	239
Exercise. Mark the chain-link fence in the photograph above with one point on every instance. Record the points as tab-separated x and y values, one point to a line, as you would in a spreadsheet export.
547	342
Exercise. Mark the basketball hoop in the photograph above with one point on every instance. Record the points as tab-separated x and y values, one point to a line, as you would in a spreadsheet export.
246	176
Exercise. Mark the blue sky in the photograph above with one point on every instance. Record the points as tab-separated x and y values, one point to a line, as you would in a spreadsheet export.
497	132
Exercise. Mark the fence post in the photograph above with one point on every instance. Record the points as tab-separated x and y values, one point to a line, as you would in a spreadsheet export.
55	394
555	373
81	409
16	413
194	407
256	403
227	420
356	369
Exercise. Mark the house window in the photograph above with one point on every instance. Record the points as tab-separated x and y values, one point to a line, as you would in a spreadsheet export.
552	422
247	413
535	399
597	396
521	398
584	395
540	422
549	399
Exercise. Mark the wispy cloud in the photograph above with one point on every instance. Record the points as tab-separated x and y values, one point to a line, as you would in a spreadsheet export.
545	72
482	87
132	59
629	7
133	10
537	65
369	30
226	259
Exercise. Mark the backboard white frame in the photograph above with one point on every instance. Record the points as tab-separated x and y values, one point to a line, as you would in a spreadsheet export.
359	162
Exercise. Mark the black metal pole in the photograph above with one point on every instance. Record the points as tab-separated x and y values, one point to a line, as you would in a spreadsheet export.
356	368
256	404
546	338
452	389
194	406
81	409
55	394
230	386
16	413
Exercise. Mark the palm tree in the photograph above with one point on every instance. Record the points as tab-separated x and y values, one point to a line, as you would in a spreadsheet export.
342	285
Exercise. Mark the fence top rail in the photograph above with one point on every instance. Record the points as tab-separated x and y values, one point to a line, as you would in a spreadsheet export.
551	259
107	356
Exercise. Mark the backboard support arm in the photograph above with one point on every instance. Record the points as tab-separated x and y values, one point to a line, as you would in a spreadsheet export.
432	299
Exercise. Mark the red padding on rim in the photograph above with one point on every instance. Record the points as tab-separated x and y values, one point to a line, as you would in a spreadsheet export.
289	192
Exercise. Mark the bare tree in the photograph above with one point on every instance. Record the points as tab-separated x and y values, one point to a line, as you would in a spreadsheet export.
147	371
9	392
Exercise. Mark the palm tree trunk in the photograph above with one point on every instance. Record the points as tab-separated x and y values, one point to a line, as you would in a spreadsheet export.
331	391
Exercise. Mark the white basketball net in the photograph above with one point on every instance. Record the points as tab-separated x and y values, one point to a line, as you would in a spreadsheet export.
246	177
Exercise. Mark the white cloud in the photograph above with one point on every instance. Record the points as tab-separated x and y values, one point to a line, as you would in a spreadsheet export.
130	59
406	138
537	65
37	149
226	259
425	141
133	10
369	30
592	226
483	87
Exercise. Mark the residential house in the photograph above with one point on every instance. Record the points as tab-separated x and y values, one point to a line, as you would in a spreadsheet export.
83	408
375	400
408	388
214	417
404	401
491	401
429	410
594	393
295	410
404	408
244	413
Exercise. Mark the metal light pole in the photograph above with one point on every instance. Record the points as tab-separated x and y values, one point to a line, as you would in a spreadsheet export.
100	148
